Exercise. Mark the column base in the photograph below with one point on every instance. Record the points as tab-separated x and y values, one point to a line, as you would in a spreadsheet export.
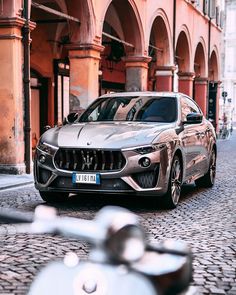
12	168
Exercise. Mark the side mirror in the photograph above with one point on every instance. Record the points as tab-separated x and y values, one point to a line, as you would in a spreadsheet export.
193	118
71	118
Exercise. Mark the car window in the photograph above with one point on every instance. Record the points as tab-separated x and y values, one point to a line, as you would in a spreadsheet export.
144	109
158	110
188	106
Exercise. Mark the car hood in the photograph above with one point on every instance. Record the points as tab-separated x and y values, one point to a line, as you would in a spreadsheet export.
115	135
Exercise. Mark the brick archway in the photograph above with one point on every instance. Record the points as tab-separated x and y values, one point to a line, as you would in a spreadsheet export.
183	53
124	17
213	67
214	83
161	65
183	62
129	70
200	80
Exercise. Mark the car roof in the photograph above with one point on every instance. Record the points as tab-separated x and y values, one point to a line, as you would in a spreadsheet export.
142	93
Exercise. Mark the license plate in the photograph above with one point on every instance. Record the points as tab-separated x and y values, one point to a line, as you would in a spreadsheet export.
89	178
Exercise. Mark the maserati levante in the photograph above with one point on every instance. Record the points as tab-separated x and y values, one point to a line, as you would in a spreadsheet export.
144	143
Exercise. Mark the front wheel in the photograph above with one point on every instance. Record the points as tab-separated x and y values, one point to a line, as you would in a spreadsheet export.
172	196
52	197
208	179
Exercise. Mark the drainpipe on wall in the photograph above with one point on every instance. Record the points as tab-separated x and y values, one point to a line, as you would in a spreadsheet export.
174	33
26	86
208	57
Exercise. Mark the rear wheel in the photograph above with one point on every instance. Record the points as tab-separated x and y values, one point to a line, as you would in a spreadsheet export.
208	179
172	196
51	197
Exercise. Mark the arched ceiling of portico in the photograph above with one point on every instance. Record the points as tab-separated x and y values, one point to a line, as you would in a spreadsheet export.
160	33
183	51
83	10
124	17
200	64
76	33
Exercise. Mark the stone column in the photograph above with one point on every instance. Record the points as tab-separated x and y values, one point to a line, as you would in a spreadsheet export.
186	83
136	73
219	89
201	93
164	77
11	97
84	67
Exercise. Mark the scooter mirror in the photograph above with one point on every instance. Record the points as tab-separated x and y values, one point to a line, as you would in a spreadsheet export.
125	239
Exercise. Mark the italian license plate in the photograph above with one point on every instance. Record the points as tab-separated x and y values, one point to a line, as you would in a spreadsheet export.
89	178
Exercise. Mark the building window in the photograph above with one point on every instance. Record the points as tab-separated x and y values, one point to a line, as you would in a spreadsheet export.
205	7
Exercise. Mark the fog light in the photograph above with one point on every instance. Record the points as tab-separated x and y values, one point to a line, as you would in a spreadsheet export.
145	162
42	159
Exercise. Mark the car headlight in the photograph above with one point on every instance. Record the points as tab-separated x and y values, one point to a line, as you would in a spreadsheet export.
150	149
47	148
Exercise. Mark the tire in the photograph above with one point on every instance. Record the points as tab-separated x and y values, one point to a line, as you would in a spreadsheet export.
51	197
171	198
208	179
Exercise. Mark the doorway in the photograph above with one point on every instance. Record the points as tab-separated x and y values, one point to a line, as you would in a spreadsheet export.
39	106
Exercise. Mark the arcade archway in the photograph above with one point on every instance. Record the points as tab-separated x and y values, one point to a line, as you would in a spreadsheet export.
123	47
213	101
182	58
160	70
200	80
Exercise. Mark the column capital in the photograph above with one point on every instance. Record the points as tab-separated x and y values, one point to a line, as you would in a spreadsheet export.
201	80
84	50
14	22
137	61
164	70
186	75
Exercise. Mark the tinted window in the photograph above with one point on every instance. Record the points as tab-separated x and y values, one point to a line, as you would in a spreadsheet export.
142	108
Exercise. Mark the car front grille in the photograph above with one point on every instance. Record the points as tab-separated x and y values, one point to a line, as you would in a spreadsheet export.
89	160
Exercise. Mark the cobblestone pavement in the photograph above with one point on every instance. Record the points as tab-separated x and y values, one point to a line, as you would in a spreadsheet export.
205	219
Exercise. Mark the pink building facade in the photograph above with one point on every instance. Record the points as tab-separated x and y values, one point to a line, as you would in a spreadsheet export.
80	49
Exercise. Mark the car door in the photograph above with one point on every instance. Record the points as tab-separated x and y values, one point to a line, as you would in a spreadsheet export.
193	139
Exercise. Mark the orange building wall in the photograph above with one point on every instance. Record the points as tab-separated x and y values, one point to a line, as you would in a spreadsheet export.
136	19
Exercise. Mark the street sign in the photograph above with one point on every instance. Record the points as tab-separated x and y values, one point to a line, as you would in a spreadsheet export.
224	94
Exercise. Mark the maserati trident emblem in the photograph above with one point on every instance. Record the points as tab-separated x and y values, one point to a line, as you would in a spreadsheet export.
87	161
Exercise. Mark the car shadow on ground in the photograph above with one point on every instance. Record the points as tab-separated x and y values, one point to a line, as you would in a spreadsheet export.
83	202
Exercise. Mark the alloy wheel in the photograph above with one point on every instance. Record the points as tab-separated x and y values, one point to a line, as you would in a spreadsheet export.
176	181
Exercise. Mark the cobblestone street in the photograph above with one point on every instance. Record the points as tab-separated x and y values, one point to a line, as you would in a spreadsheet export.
205	219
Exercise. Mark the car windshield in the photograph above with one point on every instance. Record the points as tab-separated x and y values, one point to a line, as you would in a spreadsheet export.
135	108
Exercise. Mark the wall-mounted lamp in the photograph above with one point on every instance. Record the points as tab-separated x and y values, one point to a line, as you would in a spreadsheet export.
110	62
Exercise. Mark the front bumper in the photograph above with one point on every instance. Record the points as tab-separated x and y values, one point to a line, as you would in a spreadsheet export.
132	178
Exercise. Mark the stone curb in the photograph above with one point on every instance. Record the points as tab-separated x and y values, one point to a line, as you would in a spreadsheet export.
15	185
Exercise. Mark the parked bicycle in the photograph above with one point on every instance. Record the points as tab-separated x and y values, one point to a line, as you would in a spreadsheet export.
225	128
121	261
